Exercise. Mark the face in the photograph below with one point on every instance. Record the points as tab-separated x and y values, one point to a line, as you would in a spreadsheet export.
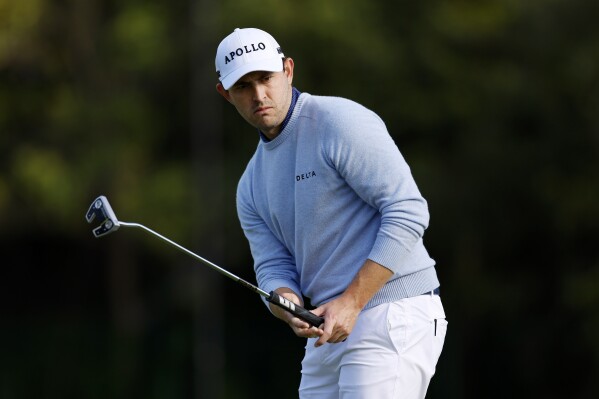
262	98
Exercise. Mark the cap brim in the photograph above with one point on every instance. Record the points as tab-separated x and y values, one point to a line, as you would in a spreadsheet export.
270	65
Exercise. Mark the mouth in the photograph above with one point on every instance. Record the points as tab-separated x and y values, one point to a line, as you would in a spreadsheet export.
261	110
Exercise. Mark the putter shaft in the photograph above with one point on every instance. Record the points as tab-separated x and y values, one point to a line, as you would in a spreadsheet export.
198	257
101	211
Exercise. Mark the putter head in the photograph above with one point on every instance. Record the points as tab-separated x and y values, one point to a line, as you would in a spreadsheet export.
100	209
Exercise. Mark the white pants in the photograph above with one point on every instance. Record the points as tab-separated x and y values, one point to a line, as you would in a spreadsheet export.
391	353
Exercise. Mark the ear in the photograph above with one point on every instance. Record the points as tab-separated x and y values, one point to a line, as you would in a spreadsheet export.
221	90
288	69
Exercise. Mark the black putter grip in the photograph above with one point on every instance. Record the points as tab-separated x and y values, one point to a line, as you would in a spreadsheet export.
295	309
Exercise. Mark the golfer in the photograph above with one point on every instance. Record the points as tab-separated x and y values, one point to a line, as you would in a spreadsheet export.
333	215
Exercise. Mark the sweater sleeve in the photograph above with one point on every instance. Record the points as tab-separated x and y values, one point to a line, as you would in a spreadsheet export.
273	264
365	155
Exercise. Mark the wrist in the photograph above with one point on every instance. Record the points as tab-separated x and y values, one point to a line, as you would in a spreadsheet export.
292	296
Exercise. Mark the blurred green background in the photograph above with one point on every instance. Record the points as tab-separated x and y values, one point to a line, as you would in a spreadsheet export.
494	103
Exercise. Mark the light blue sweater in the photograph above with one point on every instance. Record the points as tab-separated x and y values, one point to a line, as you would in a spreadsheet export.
330	191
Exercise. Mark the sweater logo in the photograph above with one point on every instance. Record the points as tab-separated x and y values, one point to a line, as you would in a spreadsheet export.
305	176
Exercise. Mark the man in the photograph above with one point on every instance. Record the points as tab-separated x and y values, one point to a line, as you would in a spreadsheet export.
332	214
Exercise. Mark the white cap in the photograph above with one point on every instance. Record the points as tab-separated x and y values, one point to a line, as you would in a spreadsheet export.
244	51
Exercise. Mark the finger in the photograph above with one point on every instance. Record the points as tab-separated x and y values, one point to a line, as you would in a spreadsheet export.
316	331
337	340
327	332
302	329
321	341
324	337
313	332
320	311
299	323
338	336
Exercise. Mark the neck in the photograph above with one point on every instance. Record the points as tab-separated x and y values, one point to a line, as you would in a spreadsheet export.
290	104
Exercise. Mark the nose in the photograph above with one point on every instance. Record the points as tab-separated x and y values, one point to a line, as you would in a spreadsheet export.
259	92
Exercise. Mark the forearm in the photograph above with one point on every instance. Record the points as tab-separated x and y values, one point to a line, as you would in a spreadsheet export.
367	282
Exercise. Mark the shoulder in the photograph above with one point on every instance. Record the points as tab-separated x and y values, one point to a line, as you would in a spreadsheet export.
342	119
335	108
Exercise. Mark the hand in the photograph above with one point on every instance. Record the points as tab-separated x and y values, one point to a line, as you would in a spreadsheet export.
340	316
299	326
341	313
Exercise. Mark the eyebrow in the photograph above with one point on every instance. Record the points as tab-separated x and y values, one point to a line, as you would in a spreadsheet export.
259	75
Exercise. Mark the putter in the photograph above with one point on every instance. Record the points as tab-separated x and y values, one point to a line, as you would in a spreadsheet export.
101	211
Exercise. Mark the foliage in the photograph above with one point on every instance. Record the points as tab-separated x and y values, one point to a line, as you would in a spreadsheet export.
493	103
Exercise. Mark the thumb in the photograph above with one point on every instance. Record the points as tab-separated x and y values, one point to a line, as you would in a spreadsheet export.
319	311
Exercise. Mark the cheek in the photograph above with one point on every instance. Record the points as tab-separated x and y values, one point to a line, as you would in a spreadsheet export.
245	110
277	94
243	107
